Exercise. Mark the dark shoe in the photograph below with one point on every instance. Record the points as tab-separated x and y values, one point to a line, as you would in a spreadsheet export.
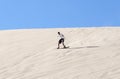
65	47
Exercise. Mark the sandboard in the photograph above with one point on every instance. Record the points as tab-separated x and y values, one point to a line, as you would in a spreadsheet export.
65	47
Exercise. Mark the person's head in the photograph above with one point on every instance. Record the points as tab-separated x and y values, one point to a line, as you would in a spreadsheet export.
59	33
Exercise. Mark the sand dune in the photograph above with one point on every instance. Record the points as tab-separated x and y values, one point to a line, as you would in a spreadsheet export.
94	53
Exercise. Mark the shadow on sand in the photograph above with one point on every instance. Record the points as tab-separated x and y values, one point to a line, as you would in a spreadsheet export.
83	47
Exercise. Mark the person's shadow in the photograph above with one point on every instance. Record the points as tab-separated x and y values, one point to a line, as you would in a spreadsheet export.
84	47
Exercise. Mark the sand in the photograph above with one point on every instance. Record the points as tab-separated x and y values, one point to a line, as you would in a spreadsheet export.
94	53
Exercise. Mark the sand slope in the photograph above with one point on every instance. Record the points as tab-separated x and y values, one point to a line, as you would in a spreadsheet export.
94	53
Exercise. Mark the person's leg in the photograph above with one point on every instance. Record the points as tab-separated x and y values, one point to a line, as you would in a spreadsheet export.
59	42
63	43
58	45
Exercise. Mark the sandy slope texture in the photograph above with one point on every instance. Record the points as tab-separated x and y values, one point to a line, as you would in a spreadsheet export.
94	53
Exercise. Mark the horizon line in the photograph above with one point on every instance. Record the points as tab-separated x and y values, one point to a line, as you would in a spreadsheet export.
57	27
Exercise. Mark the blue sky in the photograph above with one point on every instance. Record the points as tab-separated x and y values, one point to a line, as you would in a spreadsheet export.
16	14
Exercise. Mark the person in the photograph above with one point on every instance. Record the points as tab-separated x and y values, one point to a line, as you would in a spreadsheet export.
61	40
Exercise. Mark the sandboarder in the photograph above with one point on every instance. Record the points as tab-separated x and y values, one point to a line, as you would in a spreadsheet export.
61	40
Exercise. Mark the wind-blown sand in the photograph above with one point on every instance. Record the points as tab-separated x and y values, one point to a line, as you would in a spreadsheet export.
94	53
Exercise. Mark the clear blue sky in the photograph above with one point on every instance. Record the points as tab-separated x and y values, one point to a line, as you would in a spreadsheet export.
16	14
